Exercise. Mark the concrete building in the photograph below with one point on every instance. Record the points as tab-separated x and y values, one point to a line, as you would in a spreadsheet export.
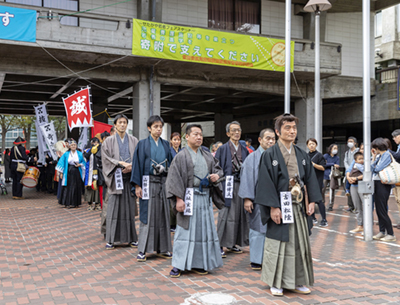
80	43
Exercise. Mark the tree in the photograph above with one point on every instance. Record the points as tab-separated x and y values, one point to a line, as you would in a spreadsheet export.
6	123
27	124
59	126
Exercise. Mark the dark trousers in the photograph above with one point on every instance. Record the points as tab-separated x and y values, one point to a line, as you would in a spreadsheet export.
321	206
381	196
50	171
16	185
41	186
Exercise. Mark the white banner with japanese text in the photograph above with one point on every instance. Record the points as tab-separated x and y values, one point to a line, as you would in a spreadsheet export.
50	137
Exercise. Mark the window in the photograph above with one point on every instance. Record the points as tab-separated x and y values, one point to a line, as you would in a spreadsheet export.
378	24
235	15
71	5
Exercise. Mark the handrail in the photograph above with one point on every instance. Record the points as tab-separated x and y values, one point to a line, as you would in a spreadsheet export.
45	10
387	69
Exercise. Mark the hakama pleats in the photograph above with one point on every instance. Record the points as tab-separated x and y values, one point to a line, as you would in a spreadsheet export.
155	235
71	194
233	226
198	247
103	215
287	264
257	240
120	219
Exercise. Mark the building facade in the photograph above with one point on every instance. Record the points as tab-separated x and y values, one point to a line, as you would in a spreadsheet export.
80	43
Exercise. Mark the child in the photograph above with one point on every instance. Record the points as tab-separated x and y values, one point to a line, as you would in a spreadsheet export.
353	176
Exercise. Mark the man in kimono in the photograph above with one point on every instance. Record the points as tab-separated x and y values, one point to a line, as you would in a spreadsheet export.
105	197
17	155
287	179
149	174
233	228
247	191
196	245
116	154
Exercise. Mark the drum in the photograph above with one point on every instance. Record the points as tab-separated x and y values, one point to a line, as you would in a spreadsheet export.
31	177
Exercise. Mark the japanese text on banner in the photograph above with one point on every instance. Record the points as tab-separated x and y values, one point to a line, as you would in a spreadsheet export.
49	134
181	43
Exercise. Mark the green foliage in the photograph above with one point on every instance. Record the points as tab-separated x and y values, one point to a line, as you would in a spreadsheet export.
59	125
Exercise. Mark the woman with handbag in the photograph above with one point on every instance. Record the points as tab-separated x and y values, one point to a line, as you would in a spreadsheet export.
382	160
18	166
332	162
72	168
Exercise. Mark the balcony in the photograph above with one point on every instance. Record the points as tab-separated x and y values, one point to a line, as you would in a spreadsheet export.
74	43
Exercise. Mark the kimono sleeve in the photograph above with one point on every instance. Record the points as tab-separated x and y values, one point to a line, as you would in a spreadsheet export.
109	163
136	175
247	178
217	168
266	191
61	163
175	184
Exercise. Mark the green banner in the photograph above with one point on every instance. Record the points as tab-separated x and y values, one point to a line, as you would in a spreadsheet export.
159	40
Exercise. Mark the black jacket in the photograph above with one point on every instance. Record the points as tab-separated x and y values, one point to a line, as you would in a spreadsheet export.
273	178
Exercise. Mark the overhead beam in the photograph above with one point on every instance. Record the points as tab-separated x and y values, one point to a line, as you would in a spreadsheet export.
61	90
2	77
382	4
120	94
177	93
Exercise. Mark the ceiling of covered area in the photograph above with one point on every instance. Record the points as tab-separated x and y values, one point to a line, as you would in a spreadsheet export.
185	104
19	93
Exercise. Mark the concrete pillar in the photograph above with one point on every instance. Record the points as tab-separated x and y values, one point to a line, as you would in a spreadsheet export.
221	119
141	109
309	26
146	9
304	110
156	98
141	105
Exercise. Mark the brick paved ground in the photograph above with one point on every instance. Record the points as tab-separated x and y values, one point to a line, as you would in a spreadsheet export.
50	255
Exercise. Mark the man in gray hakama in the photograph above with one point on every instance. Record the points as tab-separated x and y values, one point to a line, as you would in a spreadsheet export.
117	153
233	226
196	244
287	261
247	191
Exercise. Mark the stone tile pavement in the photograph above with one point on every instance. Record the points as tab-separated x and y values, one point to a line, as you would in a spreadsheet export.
50	255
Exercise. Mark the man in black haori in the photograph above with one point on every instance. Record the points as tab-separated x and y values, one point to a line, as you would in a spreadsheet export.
286	192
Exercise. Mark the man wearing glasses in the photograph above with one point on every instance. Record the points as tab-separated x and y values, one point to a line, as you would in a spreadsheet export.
233	228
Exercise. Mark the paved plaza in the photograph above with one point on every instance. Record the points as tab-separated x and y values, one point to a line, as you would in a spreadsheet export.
50	255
